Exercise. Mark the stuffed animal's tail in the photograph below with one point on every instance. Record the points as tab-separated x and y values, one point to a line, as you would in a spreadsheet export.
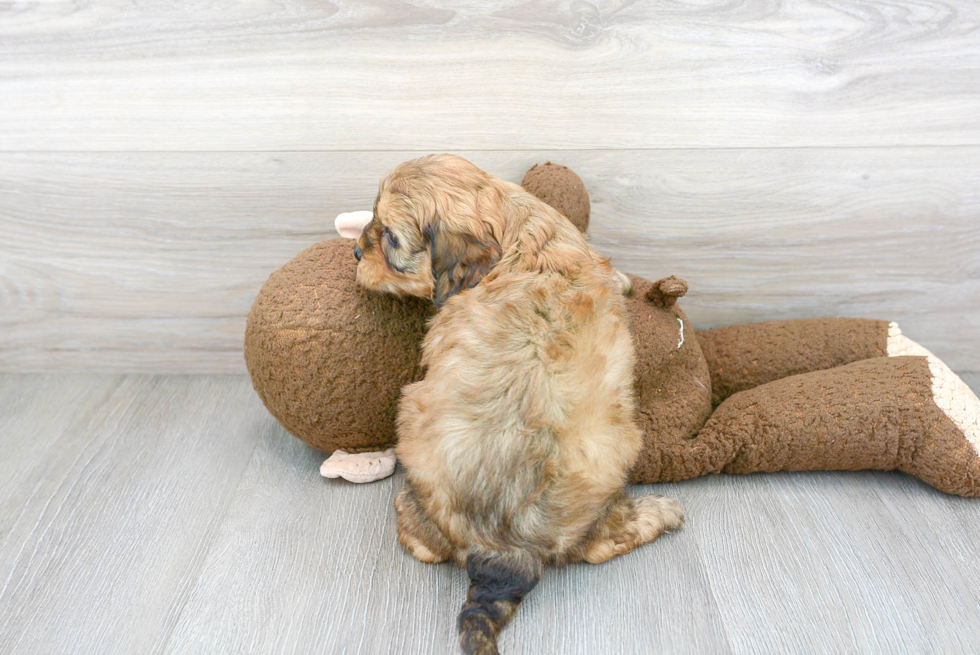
498	583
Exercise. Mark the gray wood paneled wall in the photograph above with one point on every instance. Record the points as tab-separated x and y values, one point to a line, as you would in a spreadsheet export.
788	158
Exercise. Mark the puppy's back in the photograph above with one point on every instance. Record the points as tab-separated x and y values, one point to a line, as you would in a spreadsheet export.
522	427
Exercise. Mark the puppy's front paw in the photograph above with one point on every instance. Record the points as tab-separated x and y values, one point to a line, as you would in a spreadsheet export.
359	467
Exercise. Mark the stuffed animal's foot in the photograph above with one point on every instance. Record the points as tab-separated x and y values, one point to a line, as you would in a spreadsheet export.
632	522
950	393
359	467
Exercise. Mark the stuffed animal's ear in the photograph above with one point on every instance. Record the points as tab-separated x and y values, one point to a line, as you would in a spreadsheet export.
665	292
459	261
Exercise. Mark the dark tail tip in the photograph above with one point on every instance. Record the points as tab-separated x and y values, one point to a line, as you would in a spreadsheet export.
498	583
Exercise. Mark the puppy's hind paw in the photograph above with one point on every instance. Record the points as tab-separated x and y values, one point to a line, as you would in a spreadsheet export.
658	514
633	522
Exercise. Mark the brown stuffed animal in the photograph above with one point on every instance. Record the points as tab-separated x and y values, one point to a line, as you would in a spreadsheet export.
328	360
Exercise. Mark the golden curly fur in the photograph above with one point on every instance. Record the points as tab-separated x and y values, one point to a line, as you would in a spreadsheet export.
518	441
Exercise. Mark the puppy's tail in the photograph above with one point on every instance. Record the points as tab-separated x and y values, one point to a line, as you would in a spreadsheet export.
498	583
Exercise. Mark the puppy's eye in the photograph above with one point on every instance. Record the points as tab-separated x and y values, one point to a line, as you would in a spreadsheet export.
392	239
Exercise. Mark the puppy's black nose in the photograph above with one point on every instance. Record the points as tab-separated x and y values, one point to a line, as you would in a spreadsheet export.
358	253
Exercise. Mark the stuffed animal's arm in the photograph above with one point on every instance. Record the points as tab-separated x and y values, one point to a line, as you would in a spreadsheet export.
744	356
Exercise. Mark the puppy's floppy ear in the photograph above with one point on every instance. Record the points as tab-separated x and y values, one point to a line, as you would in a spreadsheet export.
459	261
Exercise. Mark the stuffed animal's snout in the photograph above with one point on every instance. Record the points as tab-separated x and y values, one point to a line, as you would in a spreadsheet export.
350	224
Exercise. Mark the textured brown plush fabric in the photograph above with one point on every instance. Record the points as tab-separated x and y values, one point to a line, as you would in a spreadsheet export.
329	359
672	386
744	356
873	414
665	292
563	189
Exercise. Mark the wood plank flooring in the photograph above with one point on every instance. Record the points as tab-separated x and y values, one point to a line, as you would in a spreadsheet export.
171	514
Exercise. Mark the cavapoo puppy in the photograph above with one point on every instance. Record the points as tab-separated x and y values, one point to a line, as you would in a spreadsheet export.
518	441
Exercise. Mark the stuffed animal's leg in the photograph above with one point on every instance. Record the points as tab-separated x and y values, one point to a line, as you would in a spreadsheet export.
628	523
744	356
909	413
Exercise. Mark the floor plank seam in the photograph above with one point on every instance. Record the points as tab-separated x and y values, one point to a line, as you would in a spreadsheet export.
711	590
211	538
88	428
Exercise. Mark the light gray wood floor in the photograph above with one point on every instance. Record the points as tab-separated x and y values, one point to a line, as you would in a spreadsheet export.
172	514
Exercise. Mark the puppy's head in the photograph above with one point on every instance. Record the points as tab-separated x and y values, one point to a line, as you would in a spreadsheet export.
432	233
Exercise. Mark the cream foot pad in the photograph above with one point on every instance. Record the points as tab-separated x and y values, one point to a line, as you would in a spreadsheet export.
359	467
950	459
951	393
